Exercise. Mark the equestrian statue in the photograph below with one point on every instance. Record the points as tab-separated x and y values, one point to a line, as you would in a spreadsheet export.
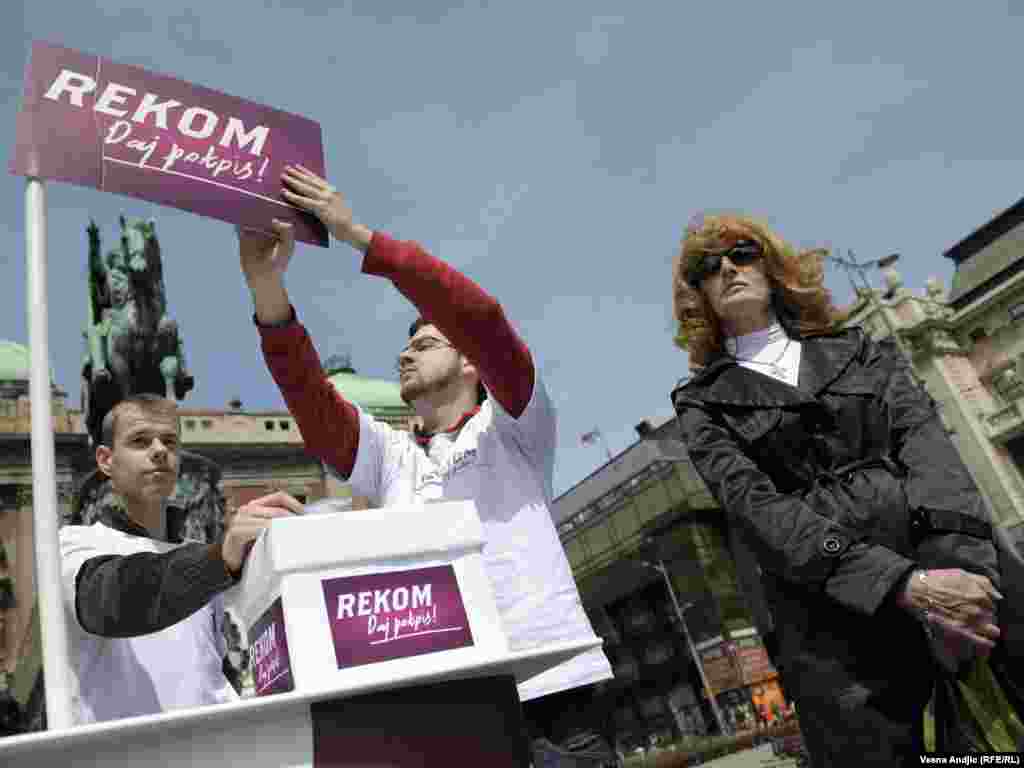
132	345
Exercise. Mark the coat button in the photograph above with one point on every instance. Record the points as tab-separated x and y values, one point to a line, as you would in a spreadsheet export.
832	544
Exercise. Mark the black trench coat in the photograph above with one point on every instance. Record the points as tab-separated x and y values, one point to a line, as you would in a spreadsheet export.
834	490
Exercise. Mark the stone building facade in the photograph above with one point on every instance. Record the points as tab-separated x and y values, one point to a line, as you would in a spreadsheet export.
967	348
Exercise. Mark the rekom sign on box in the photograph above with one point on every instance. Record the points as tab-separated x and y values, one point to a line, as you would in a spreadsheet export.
118	128
368	598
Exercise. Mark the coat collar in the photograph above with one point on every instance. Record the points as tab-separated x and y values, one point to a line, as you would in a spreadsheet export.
823	359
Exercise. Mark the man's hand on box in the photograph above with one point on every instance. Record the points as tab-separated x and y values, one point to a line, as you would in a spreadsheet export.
245	524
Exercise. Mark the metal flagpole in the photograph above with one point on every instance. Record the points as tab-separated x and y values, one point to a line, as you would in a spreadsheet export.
46	517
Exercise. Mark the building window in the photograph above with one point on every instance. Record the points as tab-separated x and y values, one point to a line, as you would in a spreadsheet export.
284	425
1015	448
8	496
207	423
190	423
269	425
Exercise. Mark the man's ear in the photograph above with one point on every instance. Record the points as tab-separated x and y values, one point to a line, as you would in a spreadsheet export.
104	459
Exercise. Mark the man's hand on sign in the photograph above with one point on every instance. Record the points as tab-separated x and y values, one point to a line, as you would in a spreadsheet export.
264	259
249	521
305	189
266	256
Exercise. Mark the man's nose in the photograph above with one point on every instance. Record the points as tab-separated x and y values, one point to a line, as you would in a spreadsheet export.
727	266
158	450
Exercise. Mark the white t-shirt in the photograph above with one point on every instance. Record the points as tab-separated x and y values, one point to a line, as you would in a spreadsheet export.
505	465
180	666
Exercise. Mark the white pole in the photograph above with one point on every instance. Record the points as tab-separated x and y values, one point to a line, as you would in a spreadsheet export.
44	468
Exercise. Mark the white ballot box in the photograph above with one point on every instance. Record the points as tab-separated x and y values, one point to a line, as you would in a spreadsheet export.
374	641
361	598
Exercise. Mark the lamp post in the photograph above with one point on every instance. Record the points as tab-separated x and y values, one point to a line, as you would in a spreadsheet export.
672	450
659	566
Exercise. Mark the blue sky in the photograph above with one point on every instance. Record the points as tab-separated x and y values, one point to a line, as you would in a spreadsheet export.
554	153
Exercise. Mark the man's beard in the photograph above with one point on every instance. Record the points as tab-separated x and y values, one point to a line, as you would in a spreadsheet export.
416	387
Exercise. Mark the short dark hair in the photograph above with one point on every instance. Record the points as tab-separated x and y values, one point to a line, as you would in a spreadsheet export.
144	401
419	322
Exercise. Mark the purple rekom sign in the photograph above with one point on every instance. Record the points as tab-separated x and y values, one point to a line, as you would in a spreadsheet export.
90	121
384	616
268	650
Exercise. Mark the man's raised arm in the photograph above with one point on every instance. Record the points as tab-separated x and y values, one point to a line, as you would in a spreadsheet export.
328	423
470	318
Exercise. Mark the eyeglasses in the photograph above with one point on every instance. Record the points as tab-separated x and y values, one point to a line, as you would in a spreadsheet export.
421	345
742	254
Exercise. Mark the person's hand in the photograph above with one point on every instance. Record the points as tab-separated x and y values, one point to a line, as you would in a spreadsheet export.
305	190
958	606
249	521
266	256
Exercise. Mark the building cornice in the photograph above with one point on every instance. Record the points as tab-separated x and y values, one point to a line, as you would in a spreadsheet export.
933	336
991	285
987	233
966	314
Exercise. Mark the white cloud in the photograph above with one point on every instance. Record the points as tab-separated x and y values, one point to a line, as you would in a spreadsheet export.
592	44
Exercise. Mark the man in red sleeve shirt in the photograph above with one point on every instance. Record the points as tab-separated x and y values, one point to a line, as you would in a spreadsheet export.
487	426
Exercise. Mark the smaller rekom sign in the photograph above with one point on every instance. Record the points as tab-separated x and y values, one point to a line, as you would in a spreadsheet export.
268	652
384	616
93	122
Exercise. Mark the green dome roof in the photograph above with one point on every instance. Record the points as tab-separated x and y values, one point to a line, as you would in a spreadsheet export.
371	394
15	362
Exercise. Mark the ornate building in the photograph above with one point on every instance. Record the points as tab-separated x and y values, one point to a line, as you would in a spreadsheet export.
967	349
257	452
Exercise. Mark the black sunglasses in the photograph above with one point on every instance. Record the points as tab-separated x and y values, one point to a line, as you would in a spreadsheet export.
742	254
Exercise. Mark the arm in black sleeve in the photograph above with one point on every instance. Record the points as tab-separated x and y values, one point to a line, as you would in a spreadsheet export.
789	538
131	595
936	475
937	481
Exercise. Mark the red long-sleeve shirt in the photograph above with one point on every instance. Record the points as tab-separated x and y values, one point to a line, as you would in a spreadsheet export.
470	318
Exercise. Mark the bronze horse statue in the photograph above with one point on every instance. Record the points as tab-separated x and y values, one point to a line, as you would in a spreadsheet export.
133	346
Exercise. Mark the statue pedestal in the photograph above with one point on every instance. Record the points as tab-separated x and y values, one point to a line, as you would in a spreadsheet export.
194	511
